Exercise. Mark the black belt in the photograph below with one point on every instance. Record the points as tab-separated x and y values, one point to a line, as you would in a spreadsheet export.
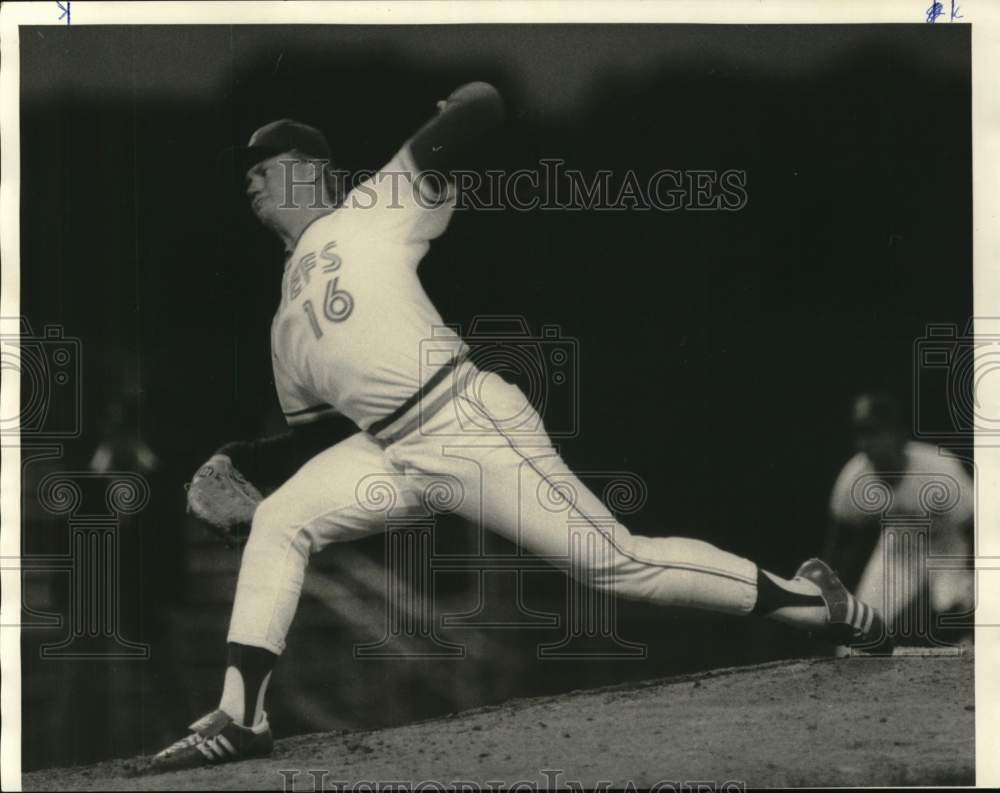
419	394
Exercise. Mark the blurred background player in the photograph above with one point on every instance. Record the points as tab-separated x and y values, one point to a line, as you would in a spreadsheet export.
876	555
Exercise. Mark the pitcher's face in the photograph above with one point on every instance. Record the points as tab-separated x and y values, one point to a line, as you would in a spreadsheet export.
265	187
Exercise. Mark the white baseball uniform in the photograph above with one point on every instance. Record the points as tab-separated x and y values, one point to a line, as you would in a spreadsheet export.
349	336
931	501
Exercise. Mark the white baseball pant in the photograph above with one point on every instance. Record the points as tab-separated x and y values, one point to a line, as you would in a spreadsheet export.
501	477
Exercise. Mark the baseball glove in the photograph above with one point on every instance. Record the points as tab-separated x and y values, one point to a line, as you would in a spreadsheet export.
224	499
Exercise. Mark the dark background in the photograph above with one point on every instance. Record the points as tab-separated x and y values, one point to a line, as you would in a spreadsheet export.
718	352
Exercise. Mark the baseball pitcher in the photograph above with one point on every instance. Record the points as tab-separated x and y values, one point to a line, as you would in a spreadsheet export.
346	339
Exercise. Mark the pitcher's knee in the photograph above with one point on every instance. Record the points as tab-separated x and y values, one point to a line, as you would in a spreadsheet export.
662	569
273	526
639	580
601	560
279	522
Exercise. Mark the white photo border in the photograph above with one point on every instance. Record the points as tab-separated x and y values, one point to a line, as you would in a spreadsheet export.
982	15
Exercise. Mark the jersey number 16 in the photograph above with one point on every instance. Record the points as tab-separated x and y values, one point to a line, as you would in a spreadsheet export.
337	306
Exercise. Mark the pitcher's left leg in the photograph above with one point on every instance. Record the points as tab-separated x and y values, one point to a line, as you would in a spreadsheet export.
532	498
529	495
672	571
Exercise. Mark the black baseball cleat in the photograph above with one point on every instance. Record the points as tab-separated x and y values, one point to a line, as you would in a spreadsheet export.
215	739
849	621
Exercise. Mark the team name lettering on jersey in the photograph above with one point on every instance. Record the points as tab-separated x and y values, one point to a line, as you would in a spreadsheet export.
338	303
302	269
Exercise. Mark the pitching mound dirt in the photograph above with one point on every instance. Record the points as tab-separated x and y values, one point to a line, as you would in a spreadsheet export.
877	721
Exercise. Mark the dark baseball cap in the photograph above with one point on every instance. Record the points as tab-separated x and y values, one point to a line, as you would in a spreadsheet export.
276	138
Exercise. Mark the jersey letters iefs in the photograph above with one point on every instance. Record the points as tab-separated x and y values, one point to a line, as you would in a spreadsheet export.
354	319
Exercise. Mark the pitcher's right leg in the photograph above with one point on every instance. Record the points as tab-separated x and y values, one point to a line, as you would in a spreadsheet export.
319	505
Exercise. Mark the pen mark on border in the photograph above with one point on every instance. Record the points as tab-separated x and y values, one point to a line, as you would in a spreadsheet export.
936	10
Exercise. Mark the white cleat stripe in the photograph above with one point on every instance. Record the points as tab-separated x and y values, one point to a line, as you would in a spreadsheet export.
870	620
850	611
867	619
229	747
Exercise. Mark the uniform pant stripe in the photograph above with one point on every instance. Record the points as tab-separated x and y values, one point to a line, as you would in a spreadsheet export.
666	565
